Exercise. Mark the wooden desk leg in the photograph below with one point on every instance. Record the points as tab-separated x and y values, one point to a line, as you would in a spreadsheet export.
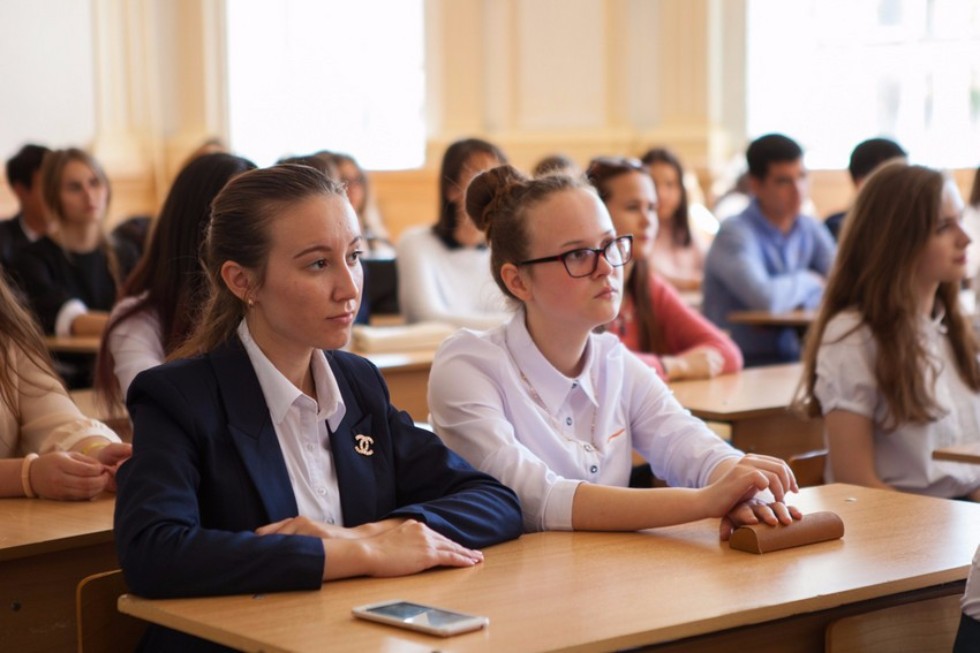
778	435
37	597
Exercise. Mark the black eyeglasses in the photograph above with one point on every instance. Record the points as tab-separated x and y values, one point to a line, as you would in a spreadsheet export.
584	262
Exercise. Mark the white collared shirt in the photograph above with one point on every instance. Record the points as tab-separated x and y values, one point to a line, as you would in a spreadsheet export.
903	458
544	447
301	425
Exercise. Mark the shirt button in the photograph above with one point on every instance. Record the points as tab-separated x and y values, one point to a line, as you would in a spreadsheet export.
594	469
588	447
574	384
568	421
309	446
321	491
330	520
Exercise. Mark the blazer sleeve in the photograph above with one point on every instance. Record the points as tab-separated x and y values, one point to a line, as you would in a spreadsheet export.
180	440
434	484
38	279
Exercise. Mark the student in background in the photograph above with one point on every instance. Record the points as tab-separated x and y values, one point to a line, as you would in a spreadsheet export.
443	271
770	257
892	364
71	275
269	461
676	255
30	221
553	409
866	156
358	188
48	449
653	321
163	297
556	163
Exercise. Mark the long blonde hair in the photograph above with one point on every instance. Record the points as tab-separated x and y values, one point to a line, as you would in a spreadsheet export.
19	333
884	236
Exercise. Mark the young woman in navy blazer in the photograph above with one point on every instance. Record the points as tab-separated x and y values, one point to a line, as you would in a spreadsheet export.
245	452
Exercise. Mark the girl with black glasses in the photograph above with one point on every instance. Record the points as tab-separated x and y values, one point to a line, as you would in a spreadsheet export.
553	409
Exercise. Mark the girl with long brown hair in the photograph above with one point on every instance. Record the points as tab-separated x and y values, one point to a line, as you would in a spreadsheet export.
48	448
891	362
162	298
653	321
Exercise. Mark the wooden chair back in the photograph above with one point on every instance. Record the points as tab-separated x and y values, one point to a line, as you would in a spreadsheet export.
918	627
809	467
101	627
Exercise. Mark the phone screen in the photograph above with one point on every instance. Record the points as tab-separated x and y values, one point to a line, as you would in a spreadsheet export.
419	614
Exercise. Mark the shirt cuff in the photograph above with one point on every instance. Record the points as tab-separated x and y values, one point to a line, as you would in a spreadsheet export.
557	513
67	436
66	315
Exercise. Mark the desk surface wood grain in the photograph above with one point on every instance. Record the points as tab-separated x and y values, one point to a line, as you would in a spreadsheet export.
34	526
753	392
604	591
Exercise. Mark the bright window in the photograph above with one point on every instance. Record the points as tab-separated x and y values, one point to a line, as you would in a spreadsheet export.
308	75
831	73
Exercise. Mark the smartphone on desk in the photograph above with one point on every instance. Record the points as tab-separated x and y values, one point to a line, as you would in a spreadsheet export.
423	618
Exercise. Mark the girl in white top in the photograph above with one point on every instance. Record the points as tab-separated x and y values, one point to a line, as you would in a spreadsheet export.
48	448
554	410
892	362
162	297
444	270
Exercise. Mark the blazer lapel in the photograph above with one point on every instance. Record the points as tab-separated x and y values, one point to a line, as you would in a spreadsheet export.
357	452
251	429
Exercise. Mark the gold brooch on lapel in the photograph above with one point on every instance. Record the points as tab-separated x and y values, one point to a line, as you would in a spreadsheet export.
363	445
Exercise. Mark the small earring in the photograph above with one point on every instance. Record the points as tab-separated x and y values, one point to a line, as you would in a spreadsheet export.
250	302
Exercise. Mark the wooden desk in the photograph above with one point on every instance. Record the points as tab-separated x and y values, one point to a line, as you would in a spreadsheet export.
73	344
674	588
801	318
407	376
964	453
755	403
46	548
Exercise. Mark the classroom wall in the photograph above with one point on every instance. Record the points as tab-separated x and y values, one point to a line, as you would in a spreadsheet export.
140	82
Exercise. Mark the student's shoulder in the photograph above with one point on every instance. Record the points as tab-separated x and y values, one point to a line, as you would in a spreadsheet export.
417	236
846	328
472	347
189	374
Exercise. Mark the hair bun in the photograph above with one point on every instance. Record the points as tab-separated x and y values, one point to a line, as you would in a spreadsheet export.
488	192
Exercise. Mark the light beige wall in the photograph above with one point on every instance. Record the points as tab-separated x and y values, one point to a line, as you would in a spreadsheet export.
583	77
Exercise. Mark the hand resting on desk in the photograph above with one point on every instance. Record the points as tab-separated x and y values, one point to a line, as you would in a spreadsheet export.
770	474
391	547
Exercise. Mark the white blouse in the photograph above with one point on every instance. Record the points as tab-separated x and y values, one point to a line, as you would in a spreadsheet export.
903	457
43	417
136	344
498	402
301	425
438	284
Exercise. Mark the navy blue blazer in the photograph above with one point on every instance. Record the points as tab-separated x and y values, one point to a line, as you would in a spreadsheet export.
207	470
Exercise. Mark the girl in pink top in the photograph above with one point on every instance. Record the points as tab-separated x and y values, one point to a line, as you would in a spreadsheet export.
653	321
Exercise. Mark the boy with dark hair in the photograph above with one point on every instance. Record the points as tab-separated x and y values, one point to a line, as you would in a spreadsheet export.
769	257
30	222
